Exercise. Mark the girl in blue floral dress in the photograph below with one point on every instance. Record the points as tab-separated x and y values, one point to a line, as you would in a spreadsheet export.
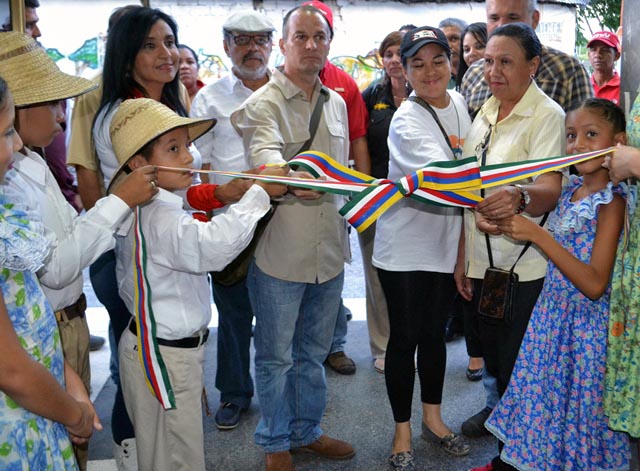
37	416
551	416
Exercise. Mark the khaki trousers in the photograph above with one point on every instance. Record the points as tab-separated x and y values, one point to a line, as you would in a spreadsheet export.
74	336
168	440
377	316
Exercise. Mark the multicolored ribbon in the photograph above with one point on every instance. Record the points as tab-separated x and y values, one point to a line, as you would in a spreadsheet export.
444	183
155	371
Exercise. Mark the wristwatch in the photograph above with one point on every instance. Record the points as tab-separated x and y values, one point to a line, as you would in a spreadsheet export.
525	198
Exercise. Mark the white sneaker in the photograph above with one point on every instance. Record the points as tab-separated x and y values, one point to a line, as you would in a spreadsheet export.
125	455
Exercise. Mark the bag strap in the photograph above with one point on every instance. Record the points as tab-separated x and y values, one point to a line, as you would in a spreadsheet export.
524	249
485	147
315	118
427	106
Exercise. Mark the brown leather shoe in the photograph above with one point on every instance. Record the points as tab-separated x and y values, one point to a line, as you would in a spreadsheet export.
280	461
328	447
341	363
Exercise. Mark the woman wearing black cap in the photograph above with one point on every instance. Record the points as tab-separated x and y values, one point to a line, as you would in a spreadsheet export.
416	245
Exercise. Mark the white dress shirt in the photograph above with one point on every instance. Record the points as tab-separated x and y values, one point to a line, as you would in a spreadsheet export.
180	252
76	241
221	146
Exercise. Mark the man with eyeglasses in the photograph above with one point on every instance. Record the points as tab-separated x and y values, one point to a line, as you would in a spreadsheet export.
247	41
295	280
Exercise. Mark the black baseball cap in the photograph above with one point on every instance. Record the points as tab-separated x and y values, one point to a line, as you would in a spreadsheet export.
413	40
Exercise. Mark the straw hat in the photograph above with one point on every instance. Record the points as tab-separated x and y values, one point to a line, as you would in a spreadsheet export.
32	75
139	121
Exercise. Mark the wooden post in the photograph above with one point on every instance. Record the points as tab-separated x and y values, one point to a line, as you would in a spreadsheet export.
630	56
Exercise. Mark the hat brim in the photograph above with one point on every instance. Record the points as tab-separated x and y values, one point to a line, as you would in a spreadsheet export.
423	42
57	88
195	128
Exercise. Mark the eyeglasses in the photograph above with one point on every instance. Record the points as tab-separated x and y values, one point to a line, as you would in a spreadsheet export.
245	39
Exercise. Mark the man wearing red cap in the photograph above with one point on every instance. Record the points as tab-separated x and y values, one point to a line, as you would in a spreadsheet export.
339	81
604	51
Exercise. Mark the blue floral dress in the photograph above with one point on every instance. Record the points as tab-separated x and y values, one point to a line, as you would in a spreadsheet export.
551	415
29	441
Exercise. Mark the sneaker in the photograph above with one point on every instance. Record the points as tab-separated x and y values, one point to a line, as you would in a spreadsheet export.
341	363
95	343
473	427
280	461
328	447
228	416
125	455
402	461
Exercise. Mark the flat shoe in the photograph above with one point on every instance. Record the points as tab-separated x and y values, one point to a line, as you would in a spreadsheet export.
452	443
402	461
475	375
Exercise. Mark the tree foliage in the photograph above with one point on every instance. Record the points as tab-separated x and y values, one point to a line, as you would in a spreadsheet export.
606	12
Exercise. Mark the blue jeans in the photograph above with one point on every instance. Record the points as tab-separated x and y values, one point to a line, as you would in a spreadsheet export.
294	327
340	333
103	279
490	384
233	378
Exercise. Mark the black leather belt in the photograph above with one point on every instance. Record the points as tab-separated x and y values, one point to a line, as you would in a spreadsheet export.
76	309
187	342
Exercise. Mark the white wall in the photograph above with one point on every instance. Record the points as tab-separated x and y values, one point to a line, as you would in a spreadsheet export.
359	25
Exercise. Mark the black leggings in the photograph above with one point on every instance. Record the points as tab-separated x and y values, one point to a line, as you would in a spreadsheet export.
418	306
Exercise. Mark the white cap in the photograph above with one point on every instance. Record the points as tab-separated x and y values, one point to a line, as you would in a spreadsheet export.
248	21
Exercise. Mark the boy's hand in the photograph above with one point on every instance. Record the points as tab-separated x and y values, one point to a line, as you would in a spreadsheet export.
273	189
232	191
139	186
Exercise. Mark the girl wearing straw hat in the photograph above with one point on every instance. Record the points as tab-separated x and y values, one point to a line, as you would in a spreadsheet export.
165	286
38	87
37	415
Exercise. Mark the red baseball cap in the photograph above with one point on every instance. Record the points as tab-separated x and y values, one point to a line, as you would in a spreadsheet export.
606	37
324	8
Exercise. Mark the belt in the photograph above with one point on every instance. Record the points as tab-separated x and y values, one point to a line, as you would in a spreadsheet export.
76	309
187	342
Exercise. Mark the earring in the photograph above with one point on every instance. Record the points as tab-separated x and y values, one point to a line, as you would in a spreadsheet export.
532	76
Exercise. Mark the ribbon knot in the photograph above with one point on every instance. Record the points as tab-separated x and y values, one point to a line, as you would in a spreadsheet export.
408	184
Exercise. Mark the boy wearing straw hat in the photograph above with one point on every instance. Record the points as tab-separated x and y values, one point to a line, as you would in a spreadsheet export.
165	286
38	87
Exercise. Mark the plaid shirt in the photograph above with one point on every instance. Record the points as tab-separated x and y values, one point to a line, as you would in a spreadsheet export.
560	76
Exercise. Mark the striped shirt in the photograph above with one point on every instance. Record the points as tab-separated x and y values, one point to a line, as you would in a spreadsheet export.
560	76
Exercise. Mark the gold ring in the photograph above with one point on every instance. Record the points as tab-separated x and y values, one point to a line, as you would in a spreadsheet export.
154	185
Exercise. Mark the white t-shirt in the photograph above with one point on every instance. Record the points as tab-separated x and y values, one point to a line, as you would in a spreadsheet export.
415	236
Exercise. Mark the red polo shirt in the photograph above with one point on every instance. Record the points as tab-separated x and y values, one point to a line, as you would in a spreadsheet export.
341	82
610	90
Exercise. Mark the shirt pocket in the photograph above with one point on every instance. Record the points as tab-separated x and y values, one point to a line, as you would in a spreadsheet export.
337	132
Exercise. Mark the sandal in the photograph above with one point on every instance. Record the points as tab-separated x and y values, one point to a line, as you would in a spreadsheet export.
452	443
402	461
378	365
475	375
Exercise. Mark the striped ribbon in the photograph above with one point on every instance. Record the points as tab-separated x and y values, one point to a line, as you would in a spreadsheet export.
446	183
155	371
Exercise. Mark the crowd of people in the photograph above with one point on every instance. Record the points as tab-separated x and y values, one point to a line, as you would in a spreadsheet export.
559	359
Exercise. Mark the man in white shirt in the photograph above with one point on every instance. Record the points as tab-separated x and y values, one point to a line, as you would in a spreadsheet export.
295	281
248	41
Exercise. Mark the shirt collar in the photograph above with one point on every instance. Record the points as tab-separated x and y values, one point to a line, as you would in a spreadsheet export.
28	165
169	197
524	107
288	88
